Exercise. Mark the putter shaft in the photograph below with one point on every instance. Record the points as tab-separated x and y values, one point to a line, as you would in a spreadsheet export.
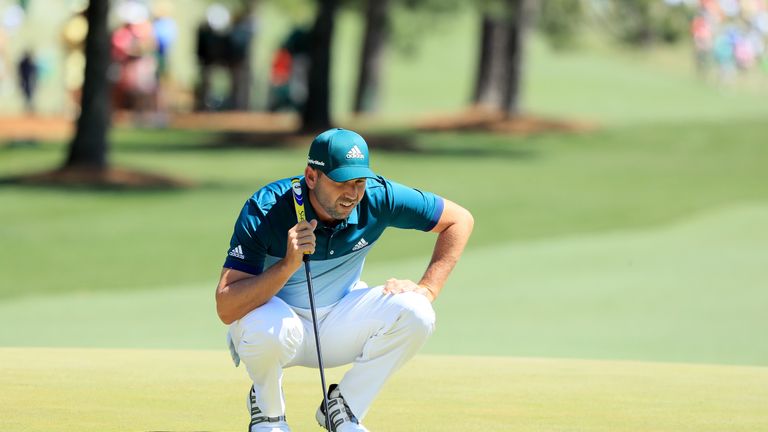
317	341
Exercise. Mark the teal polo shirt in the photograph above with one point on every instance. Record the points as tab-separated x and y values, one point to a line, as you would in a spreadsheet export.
260	235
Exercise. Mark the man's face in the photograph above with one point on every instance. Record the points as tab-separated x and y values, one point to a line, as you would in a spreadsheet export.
336	200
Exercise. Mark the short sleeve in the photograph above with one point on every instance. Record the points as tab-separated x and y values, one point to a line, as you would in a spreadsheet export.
247	250
411	208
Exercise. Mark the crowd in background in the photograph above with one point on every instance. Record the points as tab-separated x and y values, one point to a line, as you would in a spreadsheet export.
224	41
290	73
11	19
142	35
730	35
139	49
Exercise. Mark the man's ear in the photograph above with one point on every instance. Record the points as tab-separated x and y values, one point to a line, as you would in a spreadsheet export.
310	176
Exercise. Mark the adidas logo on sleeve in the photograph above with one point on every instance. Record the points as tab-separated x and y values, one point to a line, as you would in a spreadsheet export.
361	244
237	252
355	153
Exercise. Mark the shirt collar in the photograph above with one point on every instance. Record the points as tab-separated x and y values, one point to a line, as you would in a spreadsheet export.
352	218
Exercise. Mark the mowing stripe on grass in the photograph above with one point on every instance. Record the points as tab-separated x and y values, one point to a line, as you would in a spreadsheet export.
145	390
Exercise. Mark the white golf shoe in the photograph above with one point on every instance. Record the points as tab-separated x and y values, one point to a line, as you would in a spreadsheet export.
342	419
262	423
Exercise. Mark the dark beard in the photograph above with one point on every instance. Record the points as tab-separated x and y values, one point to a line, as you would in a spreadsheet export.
336	215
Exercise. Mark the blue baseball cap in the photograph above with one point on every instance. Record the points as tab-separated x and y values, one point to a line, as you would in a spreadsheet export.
341	154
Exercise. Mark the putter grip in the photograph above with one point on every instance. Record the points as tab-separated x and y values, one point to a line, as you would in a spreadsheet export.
298	202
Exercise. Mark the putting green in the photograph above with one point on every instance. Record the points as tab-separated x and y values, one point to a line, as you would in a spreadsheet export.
83	390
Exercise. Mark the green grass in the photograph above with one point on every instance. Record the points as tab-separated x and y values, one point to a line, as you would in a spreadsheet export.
518	189
666	221
643	241
689	292
117	390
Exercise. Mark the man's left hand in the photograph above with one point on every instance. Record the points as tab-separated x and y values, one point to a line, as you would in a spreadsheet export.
398	286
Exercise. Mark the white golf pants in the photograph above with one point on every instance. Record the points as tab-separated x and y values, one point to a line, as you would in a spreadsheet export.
376	332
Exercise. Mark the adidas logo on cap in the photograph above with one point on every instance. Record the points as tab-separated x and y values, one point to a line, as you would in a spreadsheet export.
237	252
355	153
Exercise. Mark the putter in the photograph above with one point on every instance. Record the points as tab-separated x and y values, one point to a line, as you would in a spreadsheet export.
298	201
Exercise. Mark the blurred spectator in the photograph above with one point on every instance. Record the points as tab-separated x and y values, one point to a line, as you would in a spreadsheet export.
3	61
733	33
211	49
165	31
28	80
701	29
11	19
135	65
743	51
238	56
290	68
724	58
224	43
73	37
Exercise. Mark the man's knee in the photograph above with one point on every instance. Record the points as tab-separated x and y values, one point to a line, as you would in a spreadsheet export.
417	315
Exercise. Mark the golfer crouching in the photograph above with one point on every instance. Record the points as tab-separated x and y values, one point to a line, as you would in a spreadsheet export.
263	290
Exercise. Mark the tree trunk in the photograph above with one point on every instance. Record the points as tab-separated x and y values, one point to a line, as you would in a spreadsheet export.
520	20
371	57
316	115
89	146
490	84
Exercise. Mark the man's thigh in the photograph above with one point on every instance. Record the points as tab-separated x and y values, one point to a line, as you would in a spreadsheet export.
345	330
274	317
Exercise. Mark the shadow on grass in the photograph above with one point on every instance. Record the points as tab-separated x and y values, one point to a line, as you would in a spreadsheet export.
458	144
98	179
421	144
89	189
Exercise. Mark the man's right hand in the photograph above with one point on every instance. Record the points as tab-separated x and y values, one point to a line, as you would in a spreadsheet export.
239	293
301	239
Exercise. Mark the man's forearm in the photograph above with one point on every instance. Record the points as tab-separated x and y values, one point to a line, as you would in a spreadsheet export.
238	293
448	248
236	299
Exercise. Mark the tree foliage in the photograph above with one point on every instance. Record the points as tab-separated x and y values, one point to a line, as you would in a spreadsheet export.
560	21
641	22
412	20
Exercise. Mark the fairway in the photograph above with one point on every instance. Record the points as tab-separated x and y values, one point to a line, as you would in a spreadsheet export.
652	294
144	390
690	292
